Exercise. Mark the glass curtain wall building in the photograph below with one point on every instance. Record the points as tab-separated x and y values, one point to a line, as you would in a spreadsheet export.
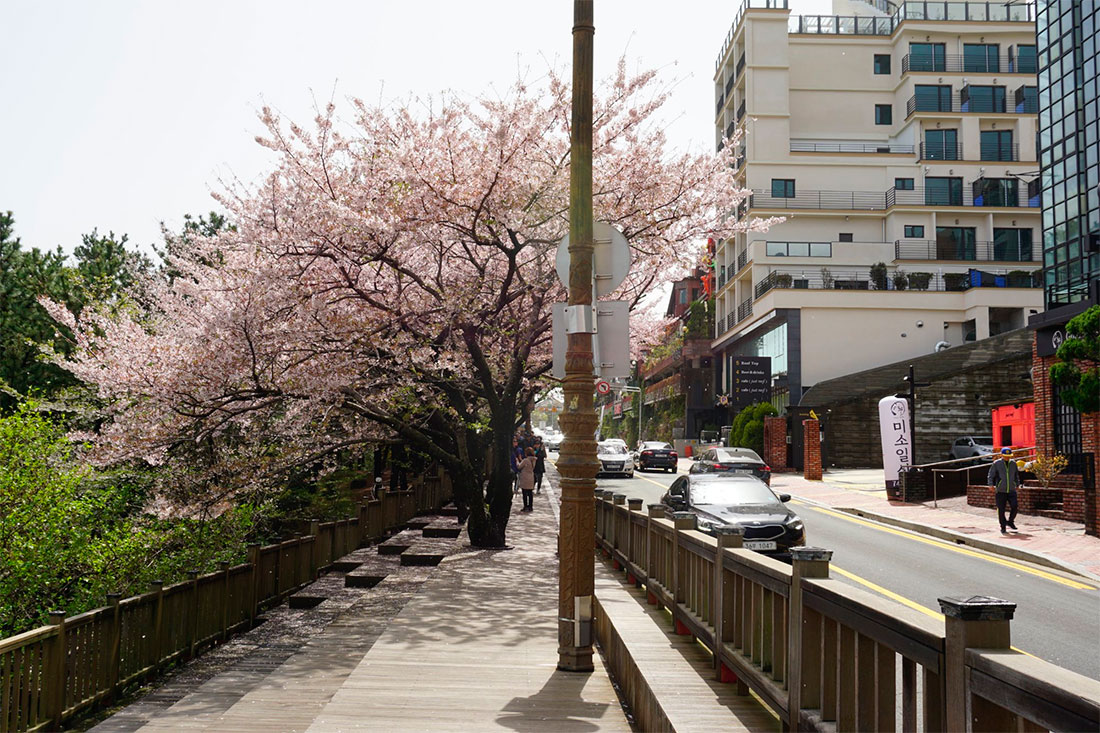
1069	139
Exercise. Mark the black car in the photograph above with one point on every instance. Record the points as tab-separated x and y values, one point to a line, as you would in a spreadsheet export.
655	454
734	497
715	460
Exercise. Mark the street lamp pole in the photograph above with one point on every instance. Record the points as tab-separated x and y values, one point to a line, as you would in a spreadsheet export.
577	458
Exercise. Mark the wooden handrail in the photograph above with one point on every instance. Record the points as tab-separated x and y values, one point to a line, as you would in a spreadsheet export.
822	653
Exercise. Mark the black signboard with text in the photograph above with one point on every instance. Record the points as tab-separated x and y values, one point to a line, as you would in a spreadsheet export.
751	380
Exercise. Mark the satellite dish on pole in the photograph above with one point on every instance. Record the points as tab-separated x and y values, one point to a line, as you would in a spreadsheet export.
610	259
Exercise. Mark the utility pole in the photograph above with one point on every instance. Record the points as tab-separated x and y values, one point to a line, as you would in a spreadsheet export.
577	459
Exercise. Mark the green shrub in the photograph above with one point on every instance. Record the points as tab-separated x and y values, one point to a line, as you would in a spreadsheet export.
748	427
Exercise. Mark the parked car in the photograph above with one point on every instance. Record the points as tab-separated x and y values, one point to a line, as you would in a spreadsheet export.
619	441
553	441
736	498
614	459
655	454
715	460
971	446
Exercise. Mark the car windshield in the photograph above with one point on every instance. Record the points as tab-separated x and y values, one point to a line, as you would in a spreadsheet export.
612	448
731	492
737	454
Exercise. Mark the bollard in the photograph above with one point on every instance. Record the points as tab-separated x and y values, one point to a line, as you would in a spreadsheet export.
981	622
804	633
728	536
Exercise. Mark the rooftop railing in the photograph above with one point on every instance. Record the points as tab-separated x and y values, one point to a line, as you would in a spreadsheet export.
898	279
745	5
847	25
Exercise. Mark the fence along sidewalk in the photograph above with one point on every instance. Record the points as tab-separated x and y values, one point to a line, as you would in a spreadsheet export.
822	654
51	674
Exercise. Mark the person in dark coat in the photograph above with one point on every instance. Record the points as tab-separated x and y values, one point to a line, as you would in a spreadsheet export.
540	464
1004	477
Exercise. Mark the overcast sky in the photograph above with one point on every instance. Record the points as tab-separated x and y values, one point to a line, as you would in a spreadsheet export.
120	115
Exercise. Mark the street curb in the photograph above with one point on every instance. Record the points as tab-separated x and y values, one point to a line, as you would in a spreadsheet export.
958	538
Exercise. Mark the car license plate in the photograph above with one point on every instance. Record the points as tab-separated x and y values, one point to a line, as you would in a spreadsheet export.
613	466
759	544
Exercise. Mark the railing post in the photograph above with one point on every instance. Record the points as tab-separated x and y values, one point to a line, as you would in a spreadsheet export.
363	533
728	536
223	568
804	651
634	505
254	604
680	521
58	674
157	586
981	622
617	500
193	627
656	511
114	651
314	550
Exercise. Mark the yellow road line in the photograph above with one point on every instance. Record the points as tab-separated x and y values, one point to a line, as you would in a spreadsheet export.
955	548
900	599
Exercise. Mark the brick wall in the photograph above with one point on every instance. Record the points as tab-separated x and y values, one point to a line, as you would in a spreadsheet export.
1033	500
811	450
775	443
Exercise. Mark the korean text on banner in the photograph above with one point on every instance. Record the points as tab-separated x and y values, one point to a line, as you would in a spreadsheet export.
897	444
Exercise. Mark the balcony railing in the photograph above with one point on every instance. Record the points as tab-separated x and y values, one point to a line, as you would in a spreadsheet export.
741	110
742	260
729	84
956	102
941	151
802	147
895	280
730	128
880	201
740	66
931	249
1000	151
719	104
1003	64
744	310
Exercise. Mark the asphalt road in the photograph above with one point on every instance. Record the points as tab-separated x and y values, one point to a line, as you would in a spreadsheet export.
1057	615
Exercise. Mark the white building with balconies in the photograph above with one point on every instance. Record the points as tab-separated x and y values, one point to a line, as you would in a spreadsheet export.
899	140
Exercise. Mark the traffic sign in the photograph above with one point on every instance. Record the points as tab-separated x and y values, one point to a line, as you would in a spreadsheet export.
610	342
610	259
602	387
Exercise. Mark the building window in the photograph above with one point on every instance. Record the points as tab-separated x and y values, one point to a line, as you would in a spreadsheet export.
903	184
882	63
941	145
996	192
783	188
997	145
1012	245
981	57
955	243
927	57
799	249
982	99
914	231
1024	63
884	114
932	97
844	237
943	191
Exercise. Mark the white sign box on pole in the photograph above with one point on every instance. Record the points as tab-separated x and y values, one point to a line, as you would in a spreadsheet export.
897	443
610	343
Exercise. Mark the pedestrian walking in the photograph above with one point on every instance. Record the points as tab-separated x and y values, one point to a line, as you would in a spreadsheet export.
1004	477
527	479
540	464
515	457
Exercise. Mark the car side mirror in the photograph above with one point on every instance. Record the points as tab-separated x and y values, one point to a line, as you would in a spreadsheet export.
784	497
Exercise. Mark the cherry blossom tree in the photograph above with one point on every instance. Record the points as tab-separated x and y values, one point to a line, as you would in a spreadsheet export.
394	276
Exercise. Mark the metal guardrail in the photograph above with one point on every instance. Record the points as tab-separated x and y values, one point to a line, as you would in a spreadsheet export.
880	148
1000	64
882	200
931	249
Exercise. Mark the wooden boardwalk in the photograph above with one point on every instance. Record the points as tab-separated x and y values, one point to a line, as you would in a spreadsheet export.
477	650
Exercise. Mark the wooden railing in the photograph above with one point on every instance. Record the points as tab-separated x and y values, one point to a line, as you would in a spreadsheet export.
825	655
53	673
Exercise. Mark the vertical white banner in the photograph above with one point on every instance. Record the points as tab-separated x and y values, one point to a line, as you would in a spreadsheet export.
897	444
